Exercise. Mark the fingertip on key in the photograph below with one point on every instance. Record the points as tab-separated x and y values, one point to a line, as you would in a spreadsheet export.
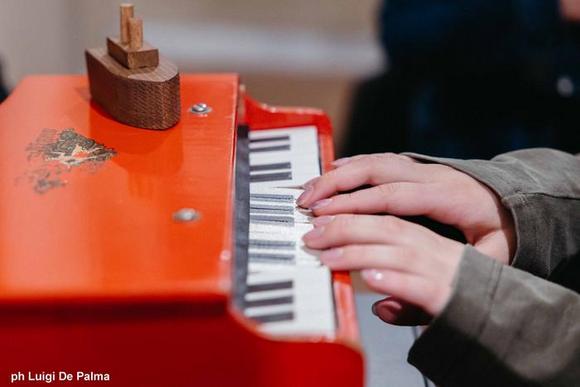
303	198
313	234
308	189
310	183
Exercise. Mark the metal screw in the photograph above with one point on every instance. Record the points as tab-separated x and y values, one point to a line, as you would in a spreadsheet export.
200	108
185	215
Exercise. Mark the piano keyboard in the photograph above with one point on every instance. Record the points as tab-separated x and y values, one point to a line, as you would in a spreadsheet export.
288	291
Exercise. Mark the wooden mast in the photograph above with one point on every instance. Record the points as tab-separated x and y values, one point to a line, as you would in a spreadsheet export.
131	81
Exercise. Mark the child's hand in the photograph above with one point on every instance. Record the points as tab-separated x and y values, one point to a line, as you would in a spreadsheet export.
401	186
404	260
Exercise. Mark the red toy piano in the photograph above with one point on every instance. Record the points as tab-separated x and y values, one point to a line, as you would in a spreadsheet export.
134	257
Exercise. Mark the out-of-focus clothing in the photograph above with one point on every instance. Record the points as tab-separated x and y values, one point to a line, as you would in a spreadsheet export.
471	78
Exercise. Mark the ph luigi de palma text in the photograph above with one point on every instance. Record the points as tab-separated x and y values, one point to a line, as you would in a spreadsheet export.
59	376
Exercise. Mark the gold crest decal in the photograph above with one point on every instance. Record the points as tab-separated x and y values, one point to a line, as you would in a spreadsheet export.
54	154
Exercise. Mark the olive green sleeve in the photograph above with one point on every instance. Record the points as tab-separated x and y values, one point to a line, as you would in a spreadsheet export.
507	325
502	327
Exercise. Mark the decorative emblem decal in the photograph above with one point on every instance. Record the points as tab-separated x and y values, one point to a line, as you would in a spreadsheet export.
54	154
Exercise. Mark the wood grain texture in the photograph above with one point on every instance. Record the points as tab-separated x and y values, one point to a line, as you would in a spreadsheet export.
145	98
146	56
126	13
135	33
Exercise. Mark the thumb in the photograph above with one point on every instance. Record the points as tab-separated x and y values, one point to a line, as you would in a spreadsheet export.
397	312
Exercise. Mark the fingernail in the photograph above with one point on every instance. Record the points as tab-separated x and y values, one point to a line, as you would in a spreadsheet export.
374	309
331	254
321	203
305	195
322	220
388	307
341	162
372	275
314	233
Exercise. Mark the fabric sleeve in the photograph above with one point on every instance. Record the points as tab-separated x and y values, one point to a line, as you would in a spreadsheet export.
502	327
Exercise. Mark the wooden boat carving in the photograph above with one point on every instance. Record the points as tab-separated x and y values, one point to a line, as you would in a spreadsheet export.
131	81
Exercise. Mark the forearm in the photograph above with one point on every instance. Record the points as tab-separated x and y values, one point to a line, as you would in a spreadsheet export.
502	326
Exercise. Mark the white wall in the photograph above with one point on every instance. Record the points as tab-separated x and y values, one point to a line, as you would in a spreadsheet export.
316	38
316	47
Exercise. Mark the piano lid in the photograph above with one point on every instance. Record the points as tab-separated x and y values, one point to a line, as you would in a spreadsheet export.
88	205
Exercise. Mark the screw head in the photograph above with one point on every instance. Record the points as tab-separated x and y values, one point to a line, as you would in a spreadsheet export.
184	215
200	108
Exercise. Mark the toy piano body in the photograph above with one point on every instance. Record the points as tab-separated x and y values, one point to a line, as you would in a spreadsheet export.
166	258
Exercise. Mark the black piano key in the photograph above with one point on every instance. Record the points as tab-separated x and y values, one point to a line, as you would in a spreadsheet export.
271	257
274	317
270	177
273	148
269	301
270	167
272	198
271	138
270	209
280	285
286	221
272	245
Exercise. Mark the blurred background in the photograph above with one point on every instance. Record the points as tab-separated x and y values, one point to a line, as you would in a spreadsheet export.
299	53
469	79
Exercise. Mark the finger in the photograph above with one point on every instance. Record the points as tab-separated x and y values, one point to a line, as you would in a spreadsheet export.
397	312
358	229
382	257
373	170
401	198
340	230
345	160
423	292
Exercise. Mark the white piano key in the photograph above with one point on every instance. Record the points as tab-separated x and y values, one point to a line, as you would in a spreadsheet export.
313	305
259	267
260	279
271	309
268	294
302	154
267	196
301	253
287	296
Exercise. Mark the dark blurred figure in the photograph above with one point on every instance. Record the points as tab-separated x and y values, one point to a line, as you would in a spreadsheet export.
3	89
472	79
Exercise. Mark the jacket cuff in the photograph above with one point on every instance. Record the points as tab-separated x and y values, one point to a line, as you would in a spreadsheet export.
446	348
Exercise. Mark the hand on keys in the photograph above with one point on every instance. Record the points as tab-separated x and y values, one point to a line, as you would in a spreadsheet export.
412	264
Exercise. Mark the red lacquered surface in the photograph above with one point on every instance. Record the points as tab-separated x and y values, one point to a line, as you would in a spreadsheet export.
96	276
109	233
